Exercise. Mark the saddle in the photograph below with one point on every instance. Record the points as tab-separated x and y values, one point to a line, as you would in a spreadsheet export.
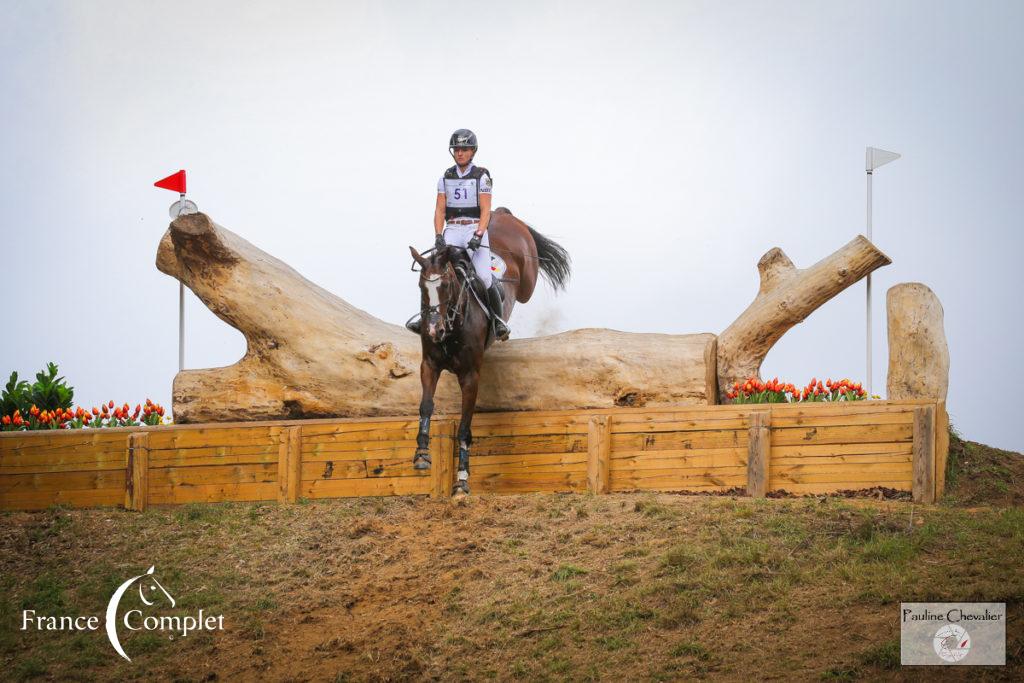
465	271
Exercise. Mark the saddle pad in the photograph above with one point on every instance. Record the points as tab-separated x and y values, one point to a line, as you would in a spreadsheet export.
498	266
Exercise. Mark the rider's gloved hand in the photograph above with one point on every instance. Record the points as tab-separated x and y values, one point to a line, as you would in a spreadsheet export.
439	243
474	242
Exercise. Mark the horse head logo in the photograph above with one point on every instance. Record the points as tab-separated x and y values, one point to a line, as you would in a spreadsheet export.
150	591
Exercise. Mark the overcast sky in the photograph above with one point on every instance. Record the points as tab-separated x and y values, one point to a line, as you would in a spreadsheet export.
665	145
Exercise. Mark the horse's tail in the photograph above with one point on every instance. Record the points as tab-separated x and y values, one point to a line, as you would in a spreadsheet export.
554	260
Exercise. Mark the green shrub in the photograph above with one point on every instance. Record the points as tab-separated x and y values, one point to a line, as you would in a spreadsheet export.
49	392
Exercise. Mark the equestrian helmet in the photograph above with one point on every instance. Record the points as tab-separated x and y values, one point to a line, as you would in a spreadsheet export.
463	137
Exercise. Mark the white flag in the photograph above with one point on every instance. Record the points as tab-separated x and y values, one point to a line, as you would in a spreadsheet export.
878	157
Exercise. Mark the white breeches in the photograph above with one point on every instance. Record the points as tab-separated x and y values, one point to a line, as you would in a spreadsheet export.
459	235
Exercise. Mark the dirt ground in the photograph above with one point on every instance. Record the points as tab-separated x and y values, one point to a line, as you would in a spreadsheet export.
524	587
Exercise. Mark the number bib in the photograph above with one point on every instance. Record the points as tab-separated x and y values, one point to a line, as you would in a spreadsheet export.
460	192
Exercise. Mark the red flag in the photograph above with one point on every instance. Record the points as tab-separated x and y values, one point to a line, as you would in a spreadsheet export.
175	181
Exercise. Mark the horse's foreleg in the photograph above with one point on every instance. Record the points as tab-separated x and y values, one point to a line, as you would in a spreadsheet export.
469	384
428	378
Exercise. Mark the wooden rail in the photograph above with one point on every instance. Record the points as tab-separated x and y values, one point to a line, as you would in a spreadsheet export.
800	448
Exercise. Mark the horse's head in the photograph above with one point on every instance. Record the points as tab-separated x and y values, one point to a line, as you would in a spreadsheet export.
439	288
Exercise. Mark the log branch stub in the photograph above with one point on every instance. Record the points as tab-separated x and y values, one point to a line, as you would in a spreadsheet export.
787	295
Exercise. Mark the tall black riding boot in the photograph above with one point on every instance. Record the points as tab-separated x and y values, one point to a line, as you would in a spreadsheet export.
501	330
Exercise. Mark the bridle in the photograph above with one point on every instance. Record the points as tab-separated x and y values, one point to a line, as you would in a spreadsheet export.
453	311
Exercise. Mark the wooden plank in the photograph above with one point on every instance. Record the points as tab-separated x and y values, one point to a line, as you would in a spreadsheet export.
205	438
598	453
924	454
524	458
58	481
758	451
184	458
58	440
834	473
443	437
38	500
514	431
498	482
527	467
544	443
902	416
675	425
316	432
791	436
836	449
941	448
212	493
136	495
839	408
679	459
214	474
289	465
379	486
361	469
675	480
388	449
678	440
69	461
849	459
365	434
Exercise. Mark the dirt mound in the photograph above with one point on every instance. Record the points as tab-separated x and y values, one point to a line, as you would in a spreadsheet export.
977	474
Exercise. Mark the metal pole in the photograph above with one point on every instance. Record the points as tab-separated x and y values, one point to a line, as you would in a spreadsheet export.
181	326
181	311
870	392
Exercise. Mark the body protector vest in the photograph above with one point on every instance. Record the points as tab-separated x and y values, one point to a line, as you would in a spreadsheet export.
462	195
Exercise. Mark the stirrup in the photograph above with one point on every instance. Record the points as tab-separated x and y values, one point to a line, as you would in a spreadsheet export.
501	330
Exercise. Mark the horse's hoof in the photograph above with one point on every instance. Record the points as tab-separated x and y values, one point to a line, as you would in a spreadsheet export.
460	491
421	461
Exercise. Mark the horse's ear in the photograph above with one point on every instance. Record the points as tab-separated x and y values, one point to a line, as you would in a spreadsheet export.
419	259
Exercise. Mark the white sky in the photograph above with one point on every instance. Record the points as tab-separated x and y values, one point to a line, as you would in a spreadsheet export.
666	145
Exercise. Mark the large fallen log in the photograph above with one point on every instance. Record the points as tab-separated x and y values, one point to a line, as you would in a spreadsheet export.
311	354
786	297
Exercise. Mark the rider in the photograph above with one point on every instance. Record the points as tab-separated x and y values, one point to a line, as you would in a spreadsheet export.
461	215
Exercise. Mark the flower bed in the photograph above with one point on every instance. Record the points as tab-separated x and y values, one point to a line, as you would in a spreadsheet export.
774	391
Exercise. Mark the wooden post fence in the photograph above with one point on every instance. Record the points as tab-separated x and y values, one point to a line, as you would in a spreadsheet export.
444	447
759	443
923	487
136	495
289	465
599	439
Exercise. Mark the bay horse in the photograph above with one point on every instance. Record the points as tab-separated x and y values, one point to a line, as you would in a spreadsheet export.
456	328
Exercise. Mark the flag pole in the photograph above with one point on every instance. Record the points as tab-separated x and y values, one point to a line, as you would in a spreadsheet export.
868	309
873	158
181	314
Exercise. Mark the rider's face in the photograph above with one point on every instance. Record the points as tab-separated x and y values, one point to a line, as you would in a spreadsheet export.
463	155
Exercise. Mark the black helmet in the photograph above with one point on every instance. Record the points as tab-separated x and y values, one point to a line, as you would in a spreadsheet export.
463	137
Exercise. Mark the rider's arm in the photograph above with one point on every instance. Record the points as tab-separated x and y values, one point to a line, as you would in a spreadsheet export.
485	212
439	214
